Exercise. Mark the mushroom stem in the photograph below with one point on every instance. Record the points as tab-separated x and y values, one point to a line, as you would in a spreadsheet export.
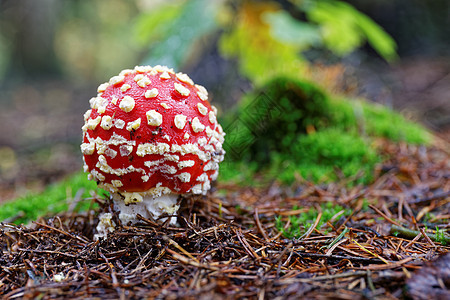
150	207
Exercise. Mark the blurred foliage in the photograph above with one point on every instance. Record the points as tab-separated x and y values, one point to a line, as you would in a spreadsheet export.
249	38
344	28
269	41
54	199
5	53
94	40
264	36
291	128
172	31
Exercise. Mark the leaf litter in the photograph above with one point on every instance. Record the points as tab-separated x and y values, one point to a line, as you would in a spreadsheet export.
394	244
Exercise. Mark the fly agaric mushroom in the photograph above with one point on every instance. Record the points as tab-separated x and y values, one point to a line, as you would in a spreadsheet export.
150	136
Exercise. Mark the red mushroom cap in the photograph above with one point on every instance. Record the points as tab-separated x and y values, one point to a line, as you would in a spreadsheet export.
150	130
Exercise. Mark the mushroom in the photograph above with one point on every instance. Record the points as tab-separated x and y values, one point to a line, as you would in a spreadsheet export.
150	136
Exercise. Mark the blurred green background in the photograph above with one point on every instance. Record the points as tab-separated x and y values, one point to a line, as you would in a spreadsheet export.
54	53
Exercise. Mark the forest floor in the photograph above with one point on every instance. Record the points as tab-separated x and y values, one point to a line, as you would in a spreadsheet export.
388	243
235	242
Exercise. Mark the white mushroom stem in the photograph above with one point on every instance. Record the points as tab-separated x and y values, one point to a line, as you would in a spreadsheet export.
148	206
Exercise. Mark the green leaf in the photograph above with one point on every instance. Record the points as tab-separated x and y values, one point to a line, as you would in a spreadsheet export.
152	25
383	43
344	28
178	33
338	27
289	30
260	54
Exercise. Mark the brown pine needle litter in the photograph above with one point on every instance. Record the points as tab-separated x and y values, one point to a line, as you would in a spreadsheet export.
229	246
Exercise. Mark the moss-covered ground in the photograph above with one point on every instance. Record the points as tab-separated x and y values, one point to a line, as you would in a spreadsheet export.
290	128
75	190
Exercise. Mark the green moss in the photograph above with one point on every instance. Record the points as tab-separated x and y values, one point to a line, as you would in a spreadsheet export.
318	156
237	172
440	236
52	200
270	119
375	120
291	127
383	122
299	224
